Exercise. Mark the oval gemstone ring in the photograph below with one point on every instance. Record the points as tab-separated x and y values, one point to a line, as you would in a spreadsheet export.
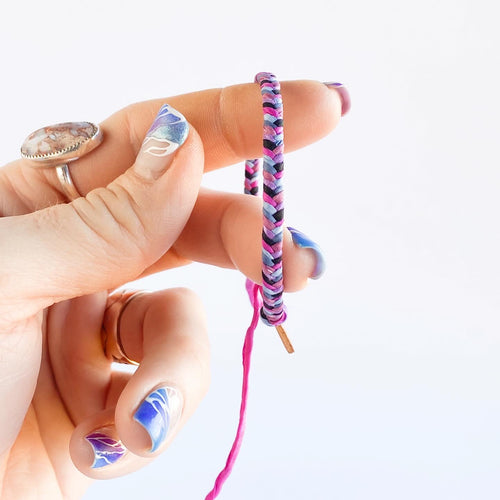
57	145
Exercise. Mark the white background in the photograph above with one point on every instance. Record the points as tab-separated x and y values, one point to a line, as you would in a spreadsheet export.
394	390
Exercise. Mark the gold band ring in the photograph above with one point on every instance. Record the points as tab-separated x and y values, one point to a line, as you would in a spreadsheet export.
111	340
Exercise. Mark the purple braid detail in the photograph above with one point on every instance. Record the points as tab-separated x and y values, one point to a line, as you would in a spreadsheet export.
273	311
252	176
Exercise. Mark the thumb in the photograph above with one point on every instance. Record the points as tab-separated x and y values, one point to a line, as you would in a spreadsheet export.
114	233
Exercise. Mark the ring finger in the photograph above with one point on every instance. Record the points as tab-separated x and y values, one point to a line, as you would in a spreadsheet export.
165	331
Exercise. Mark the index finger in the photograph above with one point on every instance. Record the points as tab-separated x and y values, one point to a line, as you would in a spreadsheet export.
229	121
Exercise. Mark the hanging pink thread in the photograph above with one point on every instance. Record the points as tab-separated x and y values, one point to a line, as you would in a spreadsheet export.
254	294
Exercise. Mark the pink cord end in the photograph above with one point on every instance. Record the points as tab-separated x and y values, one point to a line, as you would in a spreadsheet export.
255	298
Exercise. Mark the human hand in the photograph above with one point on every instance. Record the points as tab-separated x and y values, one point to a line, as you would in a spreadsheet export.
60	259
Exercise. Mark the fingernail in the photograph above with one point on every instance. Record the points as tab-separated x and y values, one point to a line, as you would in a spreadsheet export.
167	133
158	414
106	450
343	93
303	241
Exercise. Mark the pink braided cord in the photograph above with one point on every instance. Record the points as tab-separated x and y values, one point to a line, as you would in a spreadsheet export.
252	177
269	301
273	311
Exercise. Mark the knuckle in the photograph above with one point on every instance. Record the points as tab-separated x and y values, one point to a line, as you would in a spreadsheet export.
185	298
113	227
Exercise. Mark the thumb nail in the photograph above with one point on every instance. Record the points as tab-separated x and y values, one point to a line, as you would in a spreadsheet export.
167	133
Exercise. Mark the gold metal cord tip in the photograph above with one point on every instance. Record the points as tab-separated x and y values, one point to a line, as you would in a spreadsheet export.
284	338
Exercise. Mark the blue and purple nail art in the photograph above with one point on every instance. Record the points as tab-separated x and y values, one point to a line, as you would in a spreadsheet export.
158	413
168	132
107	450
303	241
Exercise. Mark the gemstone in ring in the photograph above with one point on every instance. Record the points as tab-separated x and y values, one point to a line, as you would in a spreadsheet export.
57	145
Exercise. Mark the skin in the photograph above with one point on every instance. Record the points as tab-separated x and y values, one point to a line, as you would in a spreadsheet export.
60	260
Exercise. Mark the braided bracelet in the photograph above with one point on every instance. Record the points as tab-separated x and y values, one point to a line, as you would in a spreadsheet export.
267	300
273	311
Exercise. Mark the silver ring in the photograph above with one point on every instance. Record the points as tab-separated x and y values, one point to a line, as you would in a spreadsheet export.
57	145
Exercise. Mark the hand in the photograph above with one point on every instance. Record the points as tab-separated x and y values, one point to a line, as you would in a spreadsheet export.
59	260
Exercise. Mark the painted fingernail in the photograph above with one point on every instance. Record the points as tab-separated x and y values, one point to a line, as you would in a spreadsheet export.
303	241
167	133
343	93
158	414
107	450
